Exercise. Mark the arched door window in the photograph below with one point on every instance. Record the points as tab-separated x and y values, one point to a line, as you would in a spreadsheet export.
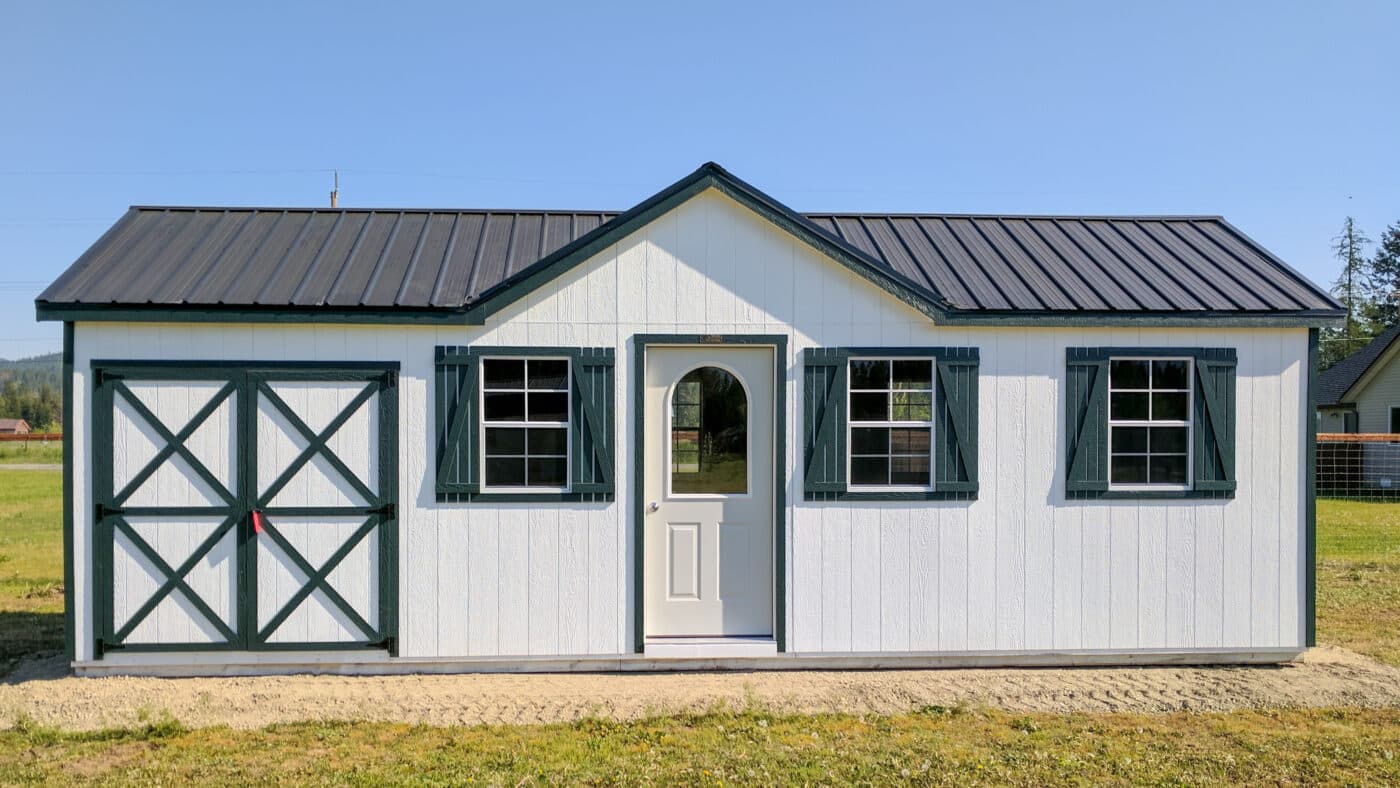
709	433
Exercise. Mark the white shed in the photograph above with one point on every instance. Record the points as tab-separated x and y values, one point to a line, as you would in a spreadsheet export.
705	432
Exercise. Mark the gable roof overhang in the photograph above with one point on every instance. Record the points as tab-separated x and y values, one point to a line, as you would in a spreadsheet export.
1280	298
708	176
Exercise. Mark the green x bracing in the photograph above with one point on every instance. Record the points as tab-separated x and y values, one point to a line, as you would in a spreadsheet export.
211	525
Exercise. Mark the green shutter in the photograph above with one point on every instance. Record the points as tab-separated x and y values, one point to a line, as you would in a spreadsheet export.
824	423
1214	417
955	428
594	422
1086	421
458	471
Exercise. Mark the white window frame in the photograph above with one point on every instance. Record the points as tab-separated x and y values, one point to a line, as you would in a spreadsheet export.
1188	423
852	424
483	424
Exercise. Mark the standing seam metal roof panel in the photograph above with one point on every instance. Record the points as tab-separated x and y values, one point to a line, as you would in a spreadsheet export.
416	258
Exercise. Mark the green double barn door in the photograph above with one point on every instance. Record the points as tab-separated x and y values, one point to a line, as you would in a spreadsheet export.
245	506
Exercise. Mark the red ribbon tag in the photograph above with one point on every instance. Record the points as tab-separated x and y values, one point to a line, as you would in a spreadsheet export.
257	522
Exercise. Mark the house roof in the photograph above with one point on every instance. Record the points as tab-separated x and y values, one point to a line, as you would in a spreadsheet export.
1334	383
10	425
952	266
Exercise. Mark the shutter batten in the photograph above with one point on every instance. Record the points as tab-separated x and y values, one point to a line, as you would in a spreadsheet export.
824	422
593	421
955	428
456	409
1214	414
1086	422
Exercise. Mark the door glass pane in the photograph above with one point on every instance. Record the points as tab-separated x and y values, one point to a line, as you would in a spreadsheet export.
709	433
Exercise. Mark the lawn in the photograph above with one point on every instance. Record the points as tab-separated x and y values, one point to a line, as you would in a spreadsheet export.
18	452
933	746
1358	607
31	563
1358	577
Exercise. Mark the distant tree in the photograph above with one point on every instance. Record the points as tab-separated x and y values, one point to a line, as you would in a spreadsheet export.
1385	277
1353	287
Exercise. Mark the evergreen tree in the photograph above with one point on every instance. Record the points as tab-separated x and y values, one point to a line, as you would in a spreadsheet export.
1354	289
1385	274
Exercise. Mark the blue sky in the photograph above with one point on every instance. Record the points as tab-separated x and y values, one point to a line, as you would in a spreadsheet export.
1281	116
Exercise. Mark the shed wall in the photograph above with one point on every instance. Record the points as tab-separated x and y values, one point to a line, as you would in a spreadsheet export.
1019	569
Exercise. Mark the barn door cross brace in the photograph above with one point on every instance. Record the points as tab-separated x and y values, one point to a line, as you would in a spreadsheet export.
315	443
174	443
175	579
317	579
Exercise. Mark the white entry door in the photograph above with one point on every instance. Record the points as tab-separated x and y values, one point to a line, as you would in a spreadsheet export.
708	491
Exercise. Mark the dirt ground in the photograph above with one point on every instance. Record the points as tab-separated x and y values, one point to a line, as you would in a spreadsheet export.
42	691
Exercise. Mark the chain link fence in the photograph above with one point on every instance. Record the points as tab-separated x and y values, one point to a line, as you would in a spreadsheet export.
1358	466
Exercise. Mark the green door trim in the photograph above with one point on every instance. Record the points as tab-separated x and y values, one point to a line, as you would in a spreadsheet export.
779	343
247	380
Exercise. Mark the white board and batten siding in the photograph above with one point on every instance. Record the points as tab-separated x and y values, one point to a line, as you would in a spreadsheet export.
1018	570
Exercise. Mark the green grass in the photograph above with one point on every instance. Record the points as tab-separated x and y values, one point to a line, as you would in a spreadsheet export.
14	453
936	746
1358	577
31	563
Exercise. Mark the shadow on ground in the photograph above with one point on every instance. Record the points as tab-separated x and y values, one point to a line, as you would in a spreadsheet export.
28	634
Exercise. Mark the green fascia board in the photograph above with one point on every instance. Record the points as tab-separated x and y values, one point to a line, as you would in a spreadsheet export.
1217	319
779	343
708	176
125	313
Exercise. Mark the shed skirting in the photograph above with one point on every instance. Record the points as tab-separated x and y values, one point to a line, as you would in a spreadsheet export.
191	664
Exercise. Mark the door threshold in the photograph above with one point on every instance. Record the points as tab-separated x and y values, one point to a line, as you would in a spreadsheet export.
711	646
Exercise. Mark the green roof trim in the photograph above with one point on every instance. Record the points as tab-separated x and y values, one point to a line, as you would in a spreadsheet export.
708	176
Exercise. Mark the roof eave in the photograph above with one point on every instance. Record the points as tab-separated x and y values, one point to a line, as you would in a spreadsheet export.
1088	319
201	313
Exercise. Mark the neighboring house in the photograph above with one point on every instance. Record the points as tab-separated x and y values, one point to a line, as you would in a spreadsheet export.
14	427
705	432
1361	393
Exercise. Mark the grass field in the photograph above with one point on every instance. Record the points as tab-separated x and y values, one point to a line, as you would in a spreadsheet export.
1358	577
31	563
1358	608
935	746
12	453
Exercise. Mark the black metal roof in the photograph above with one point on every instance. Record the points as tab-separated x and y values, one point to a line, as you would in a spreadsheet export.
1336	380
447	259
